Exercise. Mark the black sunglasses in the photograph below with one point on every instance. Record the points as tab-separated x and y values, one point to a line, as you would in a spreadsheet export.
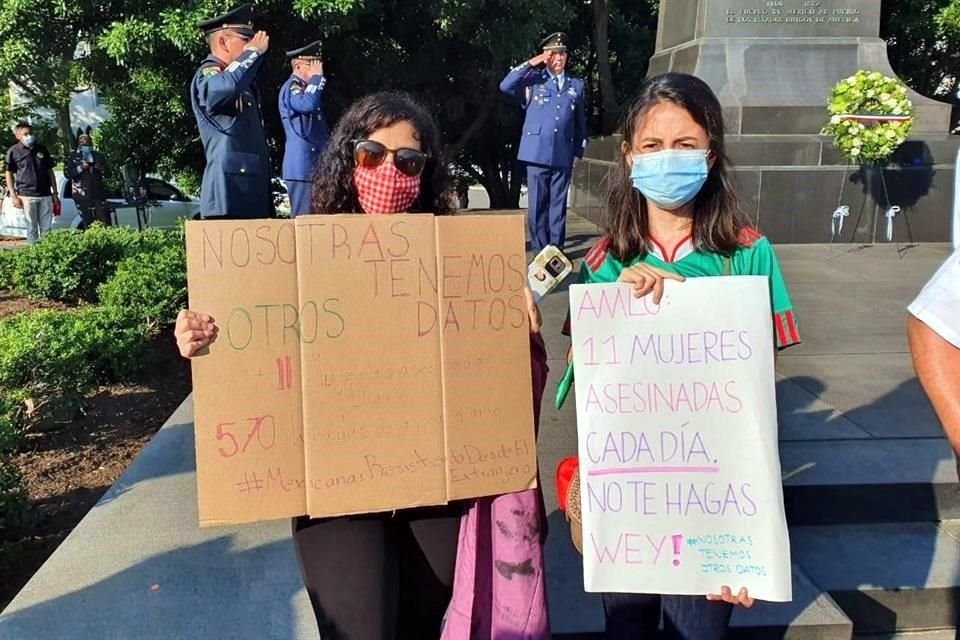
370	154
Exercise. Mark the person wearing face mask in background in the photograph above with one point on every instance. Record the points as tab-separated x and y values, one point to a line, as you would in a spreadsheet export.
31	182
226	105
554	136
301	111
673	215
412	573
87	169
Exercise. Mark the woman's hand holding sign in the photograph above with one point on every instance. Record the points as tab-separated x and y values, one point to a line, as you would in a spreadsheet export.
726	595
194	331
533	311
645	279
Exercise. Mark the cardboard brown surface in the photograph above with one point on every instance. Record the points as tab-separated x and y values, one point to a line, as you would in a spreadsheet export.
372	384
486	355
246	391
396	347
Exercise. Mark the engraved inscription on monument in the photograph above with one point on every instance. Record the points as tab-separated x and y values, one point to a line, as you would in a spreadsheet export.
797	12
797	18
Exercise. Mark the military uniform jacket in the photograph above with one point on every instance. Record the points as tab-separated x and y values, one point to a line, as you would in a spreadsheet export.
301	110
555	127
236	181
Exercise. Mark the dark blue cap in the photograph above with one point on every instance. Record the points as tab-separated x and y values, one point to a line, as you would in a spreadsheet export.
313	51
239	20
555	42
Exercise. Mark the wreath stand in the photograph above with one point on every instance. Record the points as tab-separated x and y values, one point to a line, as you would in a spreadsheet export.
891	210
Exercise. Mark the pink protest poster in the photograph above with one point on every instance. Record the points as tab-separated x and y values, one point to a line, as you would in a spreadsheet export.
677	436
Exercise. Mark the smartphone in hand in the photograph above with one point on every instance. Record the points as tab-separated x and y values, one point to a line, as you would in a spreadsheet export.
547	271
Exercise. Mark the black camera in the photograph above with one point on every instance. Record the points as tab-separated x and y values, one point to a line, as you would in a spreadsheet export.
555	266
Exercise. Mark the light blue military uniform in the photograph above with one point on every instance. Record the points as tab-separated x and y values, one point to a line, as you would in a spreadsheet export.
236	180
301	111
554	133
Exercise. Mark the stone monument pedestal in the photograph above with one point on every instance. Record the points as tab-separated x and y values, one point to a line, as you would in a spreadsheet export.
772	64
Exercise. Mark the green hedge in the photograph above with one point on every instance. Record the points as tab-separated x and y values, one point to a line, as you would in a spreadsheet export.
54	352
140	283
70	266
13	496
9	431
141	278
8	262
150	288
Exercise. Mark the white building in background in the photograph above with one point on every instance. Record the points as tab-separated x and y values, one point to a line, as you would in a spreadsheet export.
85	109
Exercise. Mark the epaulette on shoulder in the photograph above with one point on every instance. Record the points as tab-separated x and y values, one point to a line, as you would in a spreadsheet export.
597	254
748	236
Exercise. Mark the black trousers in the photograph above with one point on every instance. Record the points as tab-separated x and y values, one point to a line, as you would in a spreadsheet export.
91	212
381	576
637	616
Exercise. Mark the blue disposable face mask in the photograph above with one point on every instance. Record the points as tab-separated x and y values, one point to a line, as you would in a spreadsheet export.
28	140
86	149
670	178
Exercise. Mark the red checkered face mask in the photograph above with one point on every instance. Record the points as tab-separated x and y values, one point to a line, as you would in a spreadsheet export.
385	189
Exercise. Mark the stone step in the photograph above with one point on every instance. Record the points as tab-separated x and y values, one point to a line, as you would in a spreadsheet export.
577	615
932	634
813	615
893	581
888	578
869	481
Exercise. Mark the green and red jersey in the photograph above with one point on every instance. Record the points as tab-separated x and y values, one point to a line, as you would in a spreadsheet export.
754	257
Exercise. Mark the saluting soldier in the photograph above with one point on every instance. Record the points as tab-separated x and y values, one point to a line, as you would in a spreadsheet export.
554	135
301	110
236	181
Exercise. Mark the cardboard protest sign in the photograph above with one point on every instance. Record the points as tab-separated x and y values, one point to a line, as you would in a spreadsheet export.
482	318
246	391
401	348
373	394
677	434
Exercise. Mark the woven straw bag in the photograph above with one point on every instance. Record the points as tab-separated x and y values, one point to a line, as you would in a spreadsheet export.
573	512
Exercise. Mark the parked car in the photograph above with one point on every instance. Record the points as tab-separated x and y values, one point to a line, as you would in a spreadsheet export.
165	207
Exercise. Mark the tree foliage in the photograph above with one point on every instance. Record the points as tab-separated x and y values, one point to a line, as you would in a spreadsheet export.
141	55
40	53
451	53
923	47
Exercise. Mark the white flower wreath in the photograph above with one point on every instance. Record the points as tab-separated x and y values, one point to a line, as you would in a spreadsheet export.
870	116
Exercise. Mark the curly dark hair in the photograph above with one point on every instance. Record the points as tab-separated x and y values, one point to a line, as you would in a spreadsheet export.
717	217
333	190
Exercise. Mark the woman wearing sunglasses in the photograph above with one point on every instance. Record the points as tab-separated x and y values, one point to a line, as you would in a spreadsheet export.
382	158
384	575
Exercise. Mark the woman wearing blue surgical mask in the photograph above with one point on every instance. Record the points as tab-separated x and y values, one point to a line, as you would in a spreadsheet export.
674	215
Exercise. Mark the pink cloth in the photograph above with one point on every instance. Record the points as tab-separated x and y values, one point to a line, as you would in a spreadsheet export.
499	590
